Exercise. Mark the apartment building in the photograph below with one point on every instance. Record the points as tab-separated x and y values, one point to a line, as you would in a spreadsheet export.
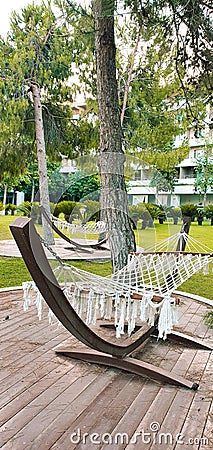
184	190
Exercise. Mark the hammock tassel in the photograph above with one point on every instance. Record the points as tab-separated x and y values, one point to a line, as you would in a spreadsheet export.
167	317
146	307
134	315
96	309
75	298
117	312
29	288
120	326
39	301
108	311
50	316
89	307
102	304
206	266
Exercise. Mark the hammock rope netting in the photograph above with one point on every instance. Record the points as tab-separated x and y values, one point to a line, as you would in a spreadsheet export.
72	228
143	288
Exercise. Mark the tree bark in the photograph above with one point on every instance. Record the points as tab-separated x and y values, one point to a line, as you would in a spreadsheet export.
42	163
111	156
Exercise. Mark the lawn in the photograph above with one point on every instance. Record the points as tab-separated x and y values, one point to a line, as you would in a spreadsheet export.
4	226
13	270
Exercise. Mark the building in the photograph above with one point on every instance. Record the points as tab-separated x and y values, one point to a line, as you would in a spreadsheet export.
184	190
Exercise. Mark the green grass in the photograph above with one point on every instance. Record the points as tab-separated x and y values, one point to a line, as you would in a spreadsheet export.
148	237
5	221
13	270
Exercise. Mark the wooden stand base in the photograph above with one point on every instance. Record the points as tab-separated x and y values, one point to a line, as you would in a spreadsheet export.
128	364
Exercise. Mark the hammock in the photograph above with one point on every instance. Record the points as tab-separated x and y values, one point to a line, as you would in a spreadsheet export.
135	293
81	298
59	225
87	228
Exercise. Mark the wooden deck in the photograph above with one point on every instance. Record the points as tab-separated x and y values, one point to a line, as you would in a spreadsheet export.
46	399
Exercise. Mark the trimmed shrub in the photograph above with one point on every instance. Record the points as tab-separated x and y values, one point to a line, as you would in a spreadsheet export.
209	213
146	212
25	208
64	207
10	207
189	210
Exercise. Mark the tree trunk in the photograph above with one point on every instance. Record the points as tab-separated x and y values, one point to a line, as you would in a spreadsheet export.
33	191
111	156
204	198
42	163
4	197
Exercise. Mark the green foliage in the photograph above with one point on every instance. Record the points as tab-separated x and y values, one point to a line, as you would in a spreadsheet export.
41	47
65	207
189	210
209	319
164	180
175	212
153	210
204	174
194	46
146	212
209	211
1	206
82	185
92	211
161	214
32	209
25	208
87	211
200	213
152	118
138	212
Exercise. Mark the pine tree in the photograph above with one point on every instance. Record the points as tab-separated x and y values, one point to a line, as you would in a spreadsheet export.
111	154
36	62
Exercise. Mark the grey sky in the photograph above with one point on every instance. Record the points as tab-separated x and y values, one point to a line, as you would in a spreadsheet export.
7	6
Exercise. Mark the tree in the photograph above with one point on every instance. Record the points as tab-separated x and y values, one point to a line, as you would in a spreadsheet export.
204	174
111	155
37	57
188	26
167	17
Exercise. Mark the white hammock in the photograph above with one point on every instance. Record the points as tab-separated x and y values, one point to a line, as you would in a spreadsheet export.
132	293
87	228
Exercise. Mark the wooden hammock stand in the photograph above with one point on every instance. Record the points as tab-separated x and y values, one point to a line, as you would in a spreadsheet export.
100	350
75	245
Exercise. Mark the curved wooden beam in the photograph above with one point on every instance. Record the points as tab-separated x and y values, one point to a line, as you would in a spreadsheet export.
33	254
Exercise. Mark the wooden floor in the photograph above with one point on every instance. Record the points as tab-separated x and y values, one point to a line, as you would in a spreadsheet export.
48	402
